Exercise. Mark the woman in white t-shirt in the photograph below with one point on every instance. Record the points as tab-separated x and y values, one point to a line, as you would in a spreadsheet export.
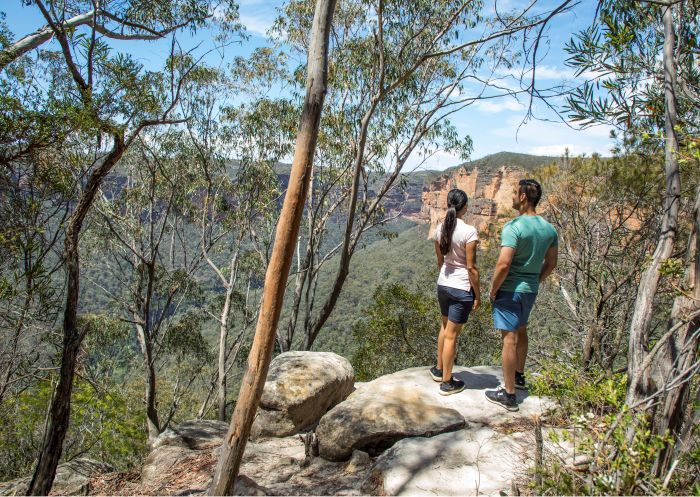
458	285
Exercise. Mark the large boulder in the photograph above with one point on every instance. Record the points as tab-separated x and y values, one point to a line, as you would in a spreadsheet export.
382	412
300	388
408	404
72	478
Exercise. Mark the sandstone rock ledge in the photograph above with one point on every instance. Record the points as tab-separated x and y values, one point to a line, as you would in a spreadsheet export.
416	442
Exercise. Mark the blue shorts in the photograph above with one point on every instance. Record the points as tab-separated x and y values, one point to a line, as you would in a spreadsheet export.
511	310
456	304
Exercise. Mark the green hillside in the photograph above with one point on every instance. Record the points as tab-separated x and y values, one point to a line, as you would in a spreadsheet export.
402	259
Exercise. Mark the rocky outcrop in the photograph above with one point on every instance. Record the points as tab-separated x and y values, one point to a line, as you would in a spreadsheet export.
408	404
490	194
300	388
486	449
72	478
182	463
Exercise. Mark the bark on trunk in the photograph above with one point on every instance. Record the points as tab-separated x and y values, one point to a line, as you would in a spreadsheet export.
38	38
282	254
152	421
680	351
223	333
59	412
640	382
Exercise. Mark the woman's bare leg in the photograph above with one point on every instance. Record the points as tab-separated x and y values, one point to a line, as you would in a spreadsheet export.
441	341
449	348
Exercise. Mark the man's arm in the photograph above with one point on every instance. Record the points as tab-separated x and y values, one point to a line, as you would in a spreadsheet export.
505	259
550	262
440	257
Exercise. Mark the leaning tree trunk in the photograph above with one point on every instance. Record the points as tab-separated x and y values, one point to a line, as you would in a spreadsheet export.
282	254
680	351
640	385
59	413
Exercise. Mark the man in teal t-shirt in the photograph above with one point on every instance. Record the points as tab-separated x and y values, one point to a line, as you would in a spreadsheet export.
528	255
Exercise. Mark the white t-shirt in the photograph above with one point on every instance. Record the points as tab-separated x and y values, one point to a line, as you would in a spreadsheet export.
453	272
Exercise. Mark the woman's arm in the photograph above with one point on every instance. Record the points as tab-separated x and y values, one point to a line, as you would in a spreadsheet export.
440	257
473	273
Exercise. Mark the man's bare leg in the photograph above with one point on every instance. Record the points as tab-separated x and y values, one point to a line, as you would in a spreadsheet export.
441	342
521	349
509	359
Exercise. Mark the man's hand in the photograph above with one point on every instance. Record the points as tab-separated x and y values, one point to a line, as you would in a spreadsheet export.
477	304
492	295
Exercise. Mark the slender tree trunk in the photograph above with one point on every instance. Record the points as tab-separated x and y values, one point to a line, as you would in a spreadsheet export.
640	382
680	351
152	421
59	412
223	332
301	278
282	254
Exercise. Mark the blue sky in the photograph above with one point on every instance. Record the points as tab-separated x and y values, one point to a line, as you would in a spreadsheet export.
494	125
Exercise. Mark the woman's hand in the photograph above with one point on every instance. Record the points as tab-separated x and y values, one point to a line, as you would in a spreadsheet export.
477	304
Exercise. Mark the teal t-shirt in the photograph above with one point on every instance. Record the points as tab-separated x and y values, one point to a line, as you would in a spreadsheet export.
531	237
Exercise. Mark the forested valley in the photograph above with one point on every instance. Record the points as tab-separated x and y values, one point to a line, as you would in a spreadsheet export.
141	202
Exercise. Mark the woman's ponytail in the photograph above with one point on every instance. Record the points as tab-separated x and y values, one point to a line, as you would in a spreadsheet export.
456	200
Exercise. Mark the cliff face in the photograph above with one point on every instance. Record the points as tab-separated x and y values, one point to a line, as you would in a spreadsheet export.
490	193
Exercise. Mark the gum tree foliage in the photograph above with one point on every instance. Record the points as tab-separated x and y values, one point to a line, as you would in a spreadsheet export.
138	236
101	100
606	214
239	199
646	83
397	72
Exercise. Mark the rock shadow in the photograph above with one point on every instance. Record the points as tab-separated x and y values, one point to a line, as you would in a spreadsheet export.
477	381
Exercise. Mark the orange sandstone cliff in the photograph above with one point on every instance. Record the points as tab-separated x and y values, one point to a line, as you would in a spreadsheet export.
490	194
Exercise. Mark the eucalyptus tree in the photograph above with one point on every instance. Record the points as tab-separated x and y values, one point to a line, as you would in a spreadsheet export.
33	204
239	198
646	83
398	71
606	214
107	99
140	231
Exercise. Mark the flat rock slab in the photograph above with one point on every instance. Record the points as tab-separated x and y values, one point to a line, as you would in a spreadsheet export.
472	403
474	461
300	388
408	404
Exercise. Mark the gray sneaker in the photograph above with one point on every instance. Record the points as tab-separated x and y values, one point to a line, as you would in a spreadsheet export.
520	383
502	398
452	386
436	373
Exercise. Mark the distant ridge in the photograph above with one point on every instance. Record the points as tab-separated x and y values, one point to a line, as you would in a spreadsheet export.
495	161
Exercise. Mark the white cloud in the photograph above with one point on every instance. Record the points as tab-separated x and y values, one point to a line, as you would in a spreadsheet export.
436	162
257	24
551	72
543	138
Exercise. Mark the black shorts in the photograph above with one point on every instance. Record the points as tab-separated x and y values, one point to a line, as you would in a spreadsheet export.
456	304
